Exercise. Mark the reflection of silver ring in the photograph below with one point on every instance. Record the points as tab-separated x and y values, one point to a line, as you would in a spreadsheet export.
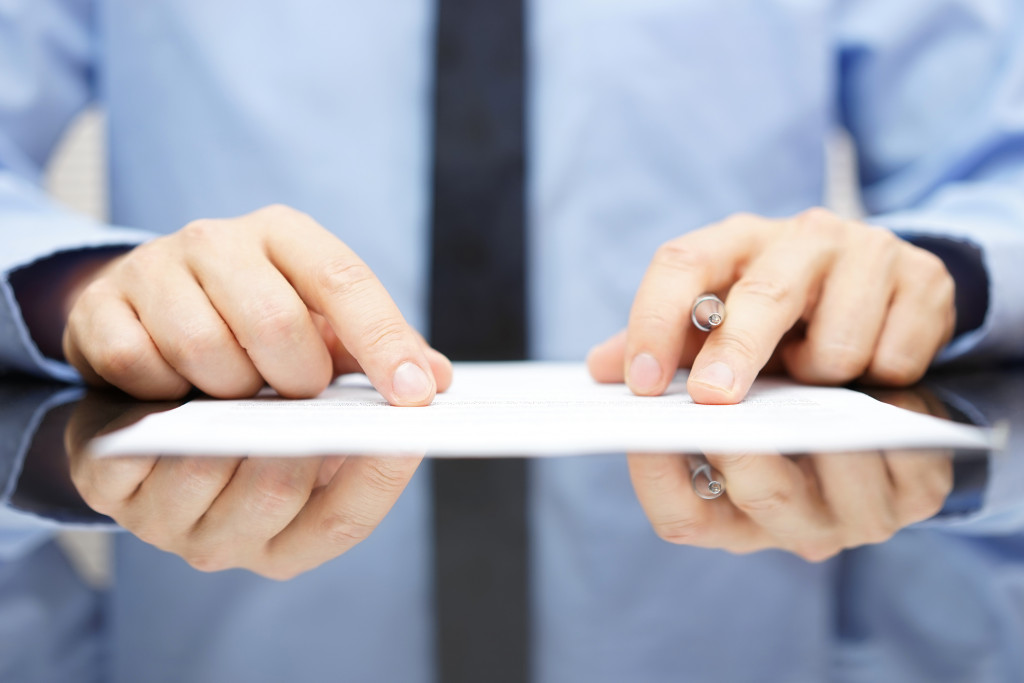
707	313
706	482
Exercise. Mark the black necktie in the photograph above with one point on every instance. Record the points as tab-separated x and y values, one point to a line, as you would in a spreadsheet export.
477	306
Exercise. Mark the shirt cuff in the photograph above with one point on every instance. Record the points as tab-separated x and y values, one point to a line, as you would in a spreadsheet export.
975	248
992	485
52	234
25	407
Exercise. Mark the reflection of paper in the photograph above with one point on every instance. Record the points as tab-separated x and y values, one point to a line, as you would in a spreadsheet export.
497	409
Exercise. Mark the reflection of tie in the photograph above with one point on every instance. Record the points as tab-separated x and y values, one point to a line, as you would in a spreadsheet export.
477	307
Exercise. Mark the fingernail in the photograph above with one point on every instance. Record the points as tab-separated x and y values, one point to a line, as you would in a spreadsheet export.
644	373
718	375
411	384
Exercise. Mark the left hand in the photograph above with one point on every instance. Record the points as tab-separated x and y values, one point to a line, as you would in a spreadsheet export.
276	517
832	300
813	506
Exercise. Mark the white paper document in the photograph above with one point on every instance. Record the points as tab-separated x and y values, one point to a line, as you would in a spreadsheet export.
533	409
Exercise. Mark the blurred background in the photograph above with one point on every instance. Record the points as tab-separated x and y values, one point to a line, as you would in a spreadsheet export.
77	172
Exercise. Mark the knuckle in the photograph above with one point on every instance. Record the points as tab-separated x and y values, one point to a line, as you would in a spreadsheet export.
743	218
926	263
197	475
120	359
929	269
897	370
840	363
208	561
92	478
274	323
389	476
275	489
736	463
878	530
819	550
282	213
344	531
945	289
277	210
940	480
738	342
649	318
680	255
923	504
737	224
879	245
943	286
680	530
94	498
142	261
880	238
770	291
148	530
199	233
195	341
384	333
82	478
344	277
879	534
90	298
280	574
765	502
656	473
817	217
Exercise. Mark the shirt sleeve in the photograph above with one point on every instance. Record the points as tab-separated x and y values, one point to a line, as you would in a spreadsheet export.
932	92
23	406
996	402
46	79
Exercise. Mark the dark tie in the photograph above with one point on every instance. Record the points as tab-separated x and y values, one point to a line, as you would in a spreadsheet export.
477	305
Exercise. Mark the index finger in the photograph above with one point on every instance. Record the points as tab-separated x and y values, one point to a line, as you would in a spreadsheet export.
762	306
341	514
662	485
781	498
334	282
682	269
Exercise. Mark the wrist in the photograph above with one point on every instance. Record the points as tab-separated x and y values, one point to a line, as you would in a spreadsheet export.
46	292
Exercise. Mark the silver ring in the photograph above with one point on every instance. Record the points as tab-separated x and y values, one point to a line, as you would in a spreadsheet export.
713	319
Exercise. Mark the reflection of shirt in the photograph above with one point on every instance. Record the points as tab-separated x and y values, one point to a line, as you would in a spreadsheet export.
647	119
935	604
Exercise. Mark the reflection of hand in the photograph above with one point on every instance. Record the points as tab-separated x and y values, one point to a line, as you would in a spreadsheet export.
277	517
813	506
228	305
875	307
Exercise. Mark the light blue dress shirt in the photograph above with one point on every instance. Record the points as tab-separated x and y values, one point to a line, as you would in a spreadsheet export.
647	119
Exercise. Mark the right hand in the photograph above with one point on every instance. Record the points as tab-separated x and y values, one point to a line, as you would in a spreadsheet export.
813	505
230	305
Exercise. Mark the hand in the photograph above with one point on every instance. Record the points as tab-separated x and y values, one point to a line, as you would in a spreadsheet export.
228	305
813	506
834	300
277	517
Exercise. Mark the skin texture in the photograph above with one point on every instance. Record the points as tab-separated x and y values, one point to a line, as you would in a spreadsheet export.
825	300
813	506
830	300
277	517
227	306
